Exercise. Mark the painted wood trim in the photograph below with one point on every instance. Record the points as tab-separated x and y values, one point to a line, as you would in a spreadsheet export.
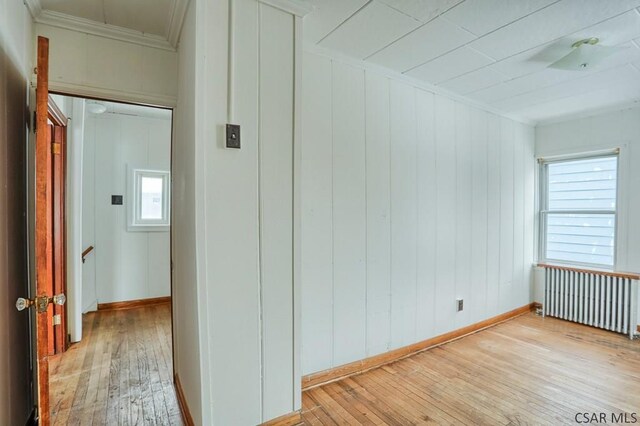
295	7
56	115
357	367
629	275
131	97
290	419
177	20
74	23
182	402
405	78
130	304
34	7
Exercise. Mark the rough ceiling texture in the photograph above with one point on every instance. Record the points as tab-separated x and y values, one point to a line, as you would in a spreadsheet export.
495	52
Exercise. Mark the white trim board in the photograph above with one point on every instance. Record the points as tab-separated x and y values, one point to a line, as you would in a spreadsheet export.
177	20
295	7
315	49
74	23
70	89
590	113
34	7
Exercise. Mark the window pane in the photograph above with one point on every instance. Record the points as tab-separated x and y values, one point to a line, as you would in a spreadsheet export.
151	197
583	184
584	238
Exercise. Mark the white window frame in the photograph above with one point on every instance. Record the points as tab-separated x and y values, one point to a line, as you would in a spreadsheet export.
543	211
135	222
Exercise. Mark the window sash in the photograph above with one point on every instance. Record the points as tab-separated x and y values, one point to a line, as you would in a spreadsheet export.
136	222
545	211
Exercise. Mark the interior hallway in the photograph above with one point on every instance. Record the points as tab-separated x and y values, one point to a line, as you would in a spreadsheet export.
120	373
525	371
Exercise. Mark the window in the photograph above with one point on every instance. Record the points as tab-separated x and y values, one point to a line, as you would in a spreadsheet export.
149	206
578	211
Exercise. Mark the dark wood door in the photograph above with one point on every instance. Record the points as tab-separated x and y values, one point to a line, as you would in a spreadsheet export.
16	374
43	241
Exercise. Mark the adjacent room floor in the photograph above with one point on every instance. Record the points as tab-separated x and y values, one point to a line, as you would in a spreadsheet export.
530	370
121	372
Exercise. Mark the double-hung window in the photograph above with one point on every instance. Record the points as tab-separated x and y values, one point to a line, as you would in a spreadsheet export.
578	211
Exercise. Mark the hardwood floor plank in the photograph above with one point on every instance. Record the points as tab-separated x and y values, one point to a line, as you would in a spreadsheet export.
121	372
530	370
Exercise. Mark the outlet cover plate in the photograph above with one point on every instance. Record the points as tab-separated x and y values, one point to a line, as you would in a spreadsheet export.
233	136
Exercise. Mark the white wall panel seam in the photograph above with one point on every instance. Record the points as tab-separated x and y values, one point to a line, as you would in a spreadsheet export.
259	201
333	270
366	217
390	340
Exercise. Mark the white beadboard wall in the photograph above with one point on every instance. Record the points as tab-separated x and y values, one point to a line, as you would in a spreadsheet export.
409	201
240	218
615	129
125	265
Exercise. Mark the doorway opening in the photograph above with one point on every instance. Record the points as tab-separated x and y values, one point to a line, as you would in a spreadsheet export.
115	364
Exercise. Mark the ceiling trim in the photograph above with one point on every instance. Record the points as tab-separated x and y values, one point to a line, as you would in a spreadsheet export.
295	7
622	106
437	90
34	7
68	22
177	20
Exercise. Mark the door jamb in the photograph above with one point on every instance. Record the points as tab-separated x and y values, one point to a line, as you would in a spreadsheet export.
172	109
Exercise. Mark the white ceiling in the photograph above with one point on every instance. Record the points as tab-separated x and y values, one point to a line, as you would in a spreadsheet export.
494	52
143	21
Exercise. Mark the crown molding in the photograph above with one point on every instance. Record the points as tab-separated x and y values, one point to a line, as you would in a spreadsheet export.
73	23
295	7
592	112
34	7
423	85
177	20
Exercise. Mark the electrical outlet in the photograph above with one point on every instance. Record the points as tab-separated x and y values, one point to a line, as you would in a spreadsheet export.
460	303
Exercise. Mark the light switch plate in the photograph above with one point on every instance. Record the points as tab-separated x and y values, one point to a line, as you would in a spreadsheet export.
233	136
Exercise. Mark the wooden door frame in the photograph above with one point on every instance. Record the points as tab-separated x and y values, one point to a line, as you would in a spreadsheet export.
172	109
58	338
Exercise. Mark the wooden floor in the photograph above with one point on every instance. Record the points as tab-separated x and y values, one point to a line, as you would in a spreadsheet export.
531	370
119	374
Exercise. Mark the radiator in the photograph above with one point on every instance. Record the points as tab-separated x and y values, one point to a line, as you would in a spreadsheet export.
599	300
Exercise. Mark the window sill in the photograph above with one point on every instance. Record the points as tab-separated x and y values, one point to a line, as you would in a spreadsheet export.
148	228
587	270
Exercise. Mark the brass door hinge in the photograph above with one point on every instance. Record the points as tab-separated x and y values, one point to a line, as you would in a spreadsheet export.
56	148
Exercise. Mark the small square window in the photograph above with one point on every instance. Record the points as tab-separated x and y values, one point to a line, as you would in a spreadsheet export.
149	200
